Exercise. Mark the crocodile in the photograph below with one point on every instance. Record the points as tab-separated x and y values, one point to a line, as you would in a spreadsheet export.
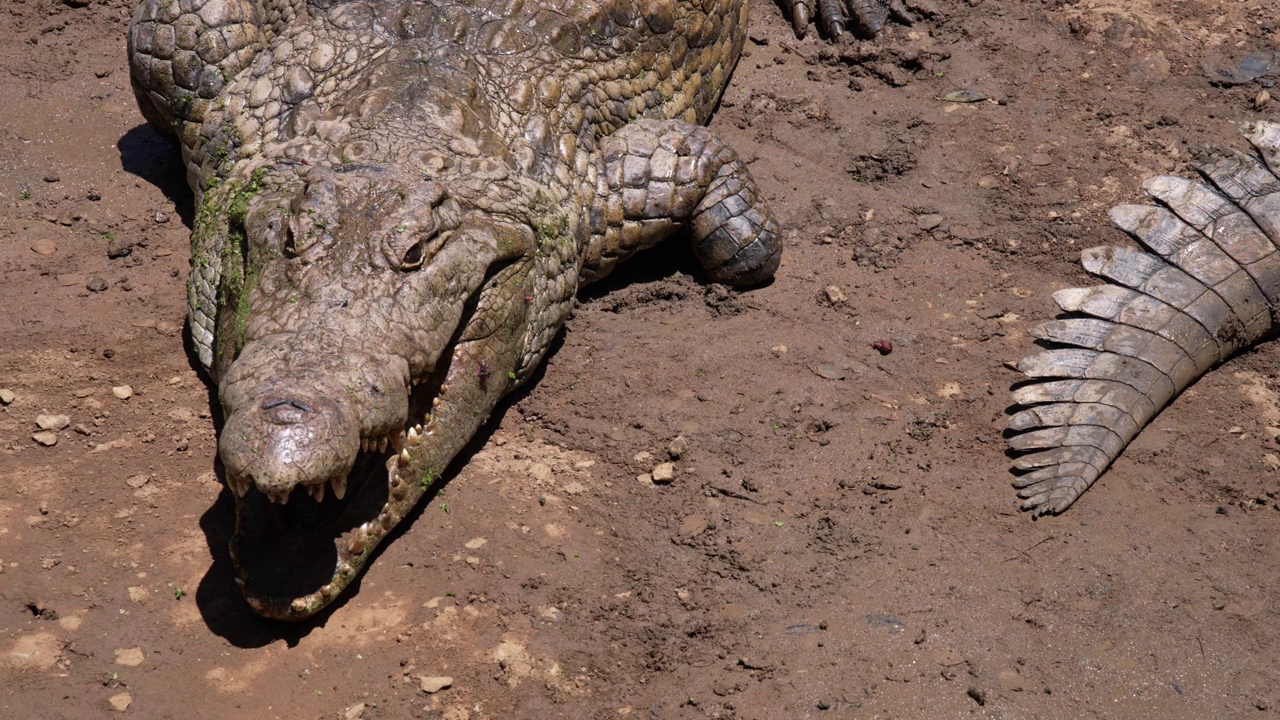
1204	286
396	203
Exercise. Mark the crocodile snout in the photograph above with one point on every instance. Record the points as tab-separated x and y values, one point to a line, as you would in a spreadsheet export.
288	440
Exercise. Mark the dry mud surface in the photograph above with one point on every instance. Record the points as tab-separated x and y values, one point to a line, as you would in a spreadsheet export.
840	540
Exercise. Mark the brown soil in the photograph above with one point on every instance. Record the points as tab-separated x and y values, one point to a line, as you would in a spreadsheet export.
834	548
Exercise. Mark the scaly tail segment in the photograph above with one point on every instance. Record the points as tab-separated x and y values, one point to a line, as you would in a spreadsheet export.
1208	287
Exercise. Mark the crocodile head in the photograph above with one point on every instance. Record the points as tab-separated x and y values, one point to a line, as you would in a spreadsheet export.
363	283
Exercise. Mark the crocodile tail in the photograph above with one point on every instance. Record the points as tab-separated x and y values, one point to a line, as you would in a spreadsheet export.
1207	287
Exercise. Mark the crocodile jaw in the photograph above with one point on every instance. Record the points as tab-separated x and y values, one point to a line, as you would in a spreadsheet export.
352	548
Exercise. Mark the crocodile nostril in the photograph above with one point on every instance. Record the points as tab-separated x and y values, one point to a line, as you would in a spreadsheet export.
286	411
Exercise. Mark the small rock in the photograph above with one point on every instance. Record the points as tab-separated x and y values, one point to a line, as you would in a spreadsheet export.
44	246
779	349
120	702
164	327
574	488
645	479
7	396
52	177
664	473
678	447
475	543
71	280
540	472
929	222
131	657
137	481
987	182
119	247
124	392
884	347
162	218
1261	100
693	525
1013	682
1041	159
96	284
949	390
93	195
830	372
835	295
52	422
643	457
432	685
48	438
355	712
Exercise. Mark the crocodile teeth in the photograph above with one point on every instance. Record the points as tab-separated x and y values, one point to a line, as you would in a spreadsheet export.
238	486
339	487
317	492
413	437
404	457
382	445
356	544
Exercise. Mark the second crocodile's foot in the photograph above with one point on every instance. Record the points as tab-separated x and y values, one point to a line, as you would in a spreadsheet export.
866	18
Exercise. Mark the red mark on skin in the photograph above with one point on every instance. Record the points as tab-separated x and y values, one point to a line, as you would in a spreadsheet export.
884	347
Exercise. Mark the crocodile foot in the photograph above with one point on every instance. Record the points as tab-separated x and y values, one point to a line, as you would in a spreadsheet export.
867	18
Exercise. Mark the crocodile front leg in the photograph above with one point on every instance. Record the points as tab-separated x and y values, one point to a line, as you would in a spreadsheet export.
660	176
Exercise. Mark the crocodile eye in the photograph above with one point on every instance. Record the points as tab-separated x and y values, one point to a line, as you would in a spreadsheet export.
413	256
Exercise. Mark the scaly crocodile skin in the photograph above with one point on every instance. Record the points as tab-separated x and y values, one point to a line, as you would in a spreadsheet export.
1208	287
396	204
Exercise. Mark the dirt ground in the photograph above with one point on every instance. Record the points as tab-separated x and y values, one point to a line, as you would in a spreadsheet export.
841	539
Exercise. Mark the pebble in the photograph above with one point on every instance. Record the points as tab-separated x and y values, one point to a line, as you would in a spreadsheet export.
119	247
664	473
93	195
988	181
693	525
643	457
7	396
645	479
96	284
124	392
475	543
120	702
432	685
355	712
52	422
129	657
1261	100
44	246
835	295
1041	159
48	438
929	222
574	488
1013	682
72	280
162	218
779	350
678	447
52	177
830	372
